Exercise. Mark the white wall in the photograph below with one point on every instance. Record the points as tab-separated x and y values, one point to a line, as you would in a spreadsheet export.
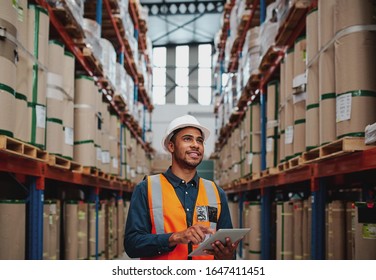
163	114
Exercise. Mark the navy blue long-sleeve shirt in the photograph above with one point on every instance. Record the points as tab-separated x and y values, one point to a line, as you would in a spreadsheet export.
138	240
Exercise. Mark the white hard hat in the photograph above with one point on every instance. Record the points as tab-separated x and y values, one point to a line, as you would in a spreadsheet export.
181	122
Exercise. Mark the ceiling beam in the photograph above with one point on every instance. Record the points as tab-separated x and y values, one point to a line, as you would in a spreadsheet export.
177	28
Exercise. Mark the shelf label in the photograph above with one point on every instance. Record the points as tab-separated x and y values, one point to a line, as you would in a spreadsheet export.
343	107
106	157
289	134
68	133
115	163
133	173
269	144
242	134
249	158
53	209
99	154
236	168
41	116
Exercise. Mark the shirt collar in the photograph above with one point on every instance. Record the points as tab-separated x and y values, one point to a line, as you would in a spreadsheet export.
176	181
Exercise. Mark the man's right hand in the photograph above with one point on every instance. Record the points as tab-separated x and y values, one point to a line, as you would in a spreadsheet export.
195	234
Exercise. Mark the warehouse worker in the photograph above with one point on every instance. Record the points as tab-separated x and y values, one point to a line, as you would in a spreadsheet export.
171	213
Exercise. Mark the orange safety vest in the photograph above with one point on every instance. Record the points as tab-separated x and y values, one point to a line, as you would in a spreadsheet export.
168	214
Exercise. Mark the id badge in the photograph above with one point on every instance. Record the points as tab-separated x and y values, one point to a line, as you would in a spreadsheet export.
206	214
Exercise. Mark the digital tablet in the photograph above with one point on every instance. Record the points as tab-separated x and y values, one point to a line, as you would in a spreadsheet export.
235	234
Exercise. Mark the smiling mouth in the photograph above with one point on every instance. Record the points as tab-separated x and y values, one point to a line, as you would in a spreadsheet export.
194	154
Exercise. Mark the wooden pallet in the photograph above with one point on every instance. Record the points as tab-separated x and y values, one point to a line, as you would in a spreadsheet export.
76	167
18	147
281	167
250	177
269	171
269	58
256	176
294	162
102	174
253	82
63	13
88	170
93	62
59	162
243	23
311	155
336	148
288	27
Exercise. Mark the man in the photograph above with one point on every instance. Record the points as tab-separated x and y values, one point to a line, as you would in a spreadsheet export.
171	213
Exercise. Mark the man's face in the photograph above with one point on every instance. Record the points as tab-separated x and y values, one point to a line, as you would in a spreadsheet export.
187	147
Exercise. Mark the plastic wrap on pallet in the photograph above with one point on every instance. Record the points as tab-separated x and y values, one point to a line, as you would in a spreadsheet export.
144	13
252	62
77	9
130	92
123	4
234	21
370	134
242	10
269	29
92	36
134	47
121	81
283	7
268	32
128	23
142	64
108	60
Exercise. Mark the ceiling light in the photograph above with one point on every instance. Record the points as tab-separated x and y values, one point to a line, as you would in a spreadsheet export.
210	7
183	8
191	8
154	10
201	8
173	9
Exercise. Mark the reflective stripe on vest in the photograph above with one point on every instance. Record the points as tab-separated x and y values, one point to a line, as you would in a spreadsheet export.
168	214
157	203
211	197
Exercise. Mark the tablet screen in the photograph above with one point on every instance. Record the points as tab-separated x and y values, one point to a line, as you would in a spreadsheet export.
235	234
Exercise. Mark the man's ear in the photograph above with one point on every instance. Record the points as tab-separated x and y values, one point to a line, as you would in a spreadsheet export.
171	146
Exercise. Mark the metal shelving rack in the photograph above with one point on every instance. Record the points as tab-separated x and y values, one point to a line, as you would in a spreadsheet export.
37	170
93	70
317	176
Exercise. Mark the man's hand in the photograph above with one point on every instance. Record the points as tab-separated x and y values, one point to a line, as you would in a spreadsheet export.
195	234
223	251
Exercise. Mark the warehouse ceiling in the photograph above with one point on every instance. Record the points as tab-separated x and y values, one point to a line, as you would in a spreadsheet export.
177	22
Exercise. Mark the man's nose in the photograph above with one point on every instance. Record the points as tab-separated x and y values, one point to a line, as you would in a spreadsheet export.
194	143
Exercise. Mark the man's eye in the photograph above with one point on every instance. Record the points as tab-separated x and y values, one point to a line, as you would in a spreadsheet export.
200	141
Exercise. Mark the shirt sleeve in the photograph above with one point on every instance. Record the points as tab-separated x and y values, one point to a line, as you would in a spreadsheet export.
139	242
224	220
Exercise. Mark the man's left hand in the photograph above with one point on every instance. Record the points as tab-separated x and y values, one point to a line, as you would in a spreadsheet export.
223	251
